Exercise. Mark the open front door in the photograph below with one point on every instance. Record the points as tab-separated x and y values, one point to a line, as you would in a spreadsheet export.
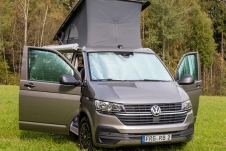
45	105
190	64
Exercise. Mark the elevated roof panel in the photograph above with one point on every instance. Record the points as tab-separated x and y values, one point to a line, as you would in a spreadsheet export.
99	23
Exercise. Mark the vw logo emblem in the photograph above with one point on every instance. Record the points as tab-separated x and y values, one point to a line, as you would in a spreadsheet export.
155	110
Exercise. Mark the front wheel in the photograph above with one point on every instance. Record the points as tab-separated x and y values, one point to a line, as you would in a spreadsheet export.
85	136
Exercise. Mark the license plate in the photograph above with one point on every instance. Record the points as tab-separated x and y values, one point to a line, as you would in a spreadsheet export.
156	138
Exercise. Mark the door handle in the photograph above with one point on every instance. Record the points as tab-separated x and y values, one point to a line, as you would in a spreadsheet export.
30	85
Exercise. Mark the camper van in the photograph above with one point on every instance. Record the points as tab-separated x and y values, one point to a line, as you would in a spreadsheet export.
112	92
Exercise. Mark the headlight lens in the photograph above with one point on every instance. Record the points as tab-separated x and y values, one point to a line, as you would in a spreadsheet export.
186	105
108	107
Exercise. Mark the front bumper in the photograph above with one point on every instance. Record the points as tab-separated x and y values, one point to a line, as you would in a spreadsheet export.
111	133
113	138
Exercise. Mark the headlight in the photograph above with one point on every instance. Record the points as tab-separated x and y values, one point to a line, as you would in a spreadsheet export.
186	105
108	107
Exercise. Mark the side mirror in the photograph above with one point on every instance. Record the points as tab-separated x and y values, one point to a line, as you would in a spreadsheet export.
186	80
68	79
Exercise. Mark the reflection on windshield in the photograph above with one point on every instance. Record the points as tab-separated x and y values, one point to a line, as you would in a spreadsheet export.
110	66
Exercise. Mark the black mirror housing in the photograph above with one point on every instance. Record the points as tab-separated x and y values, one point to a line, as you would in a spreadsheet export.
67	79
186	80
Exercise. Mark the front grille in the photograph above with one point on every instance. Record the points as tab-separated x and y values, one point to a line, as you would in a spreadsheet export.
146	108
141	115
151	120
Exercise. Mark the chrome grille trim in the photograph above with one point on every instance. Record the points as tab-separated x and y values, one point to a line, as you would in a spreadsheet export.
148	113
146	108
141	114
151	120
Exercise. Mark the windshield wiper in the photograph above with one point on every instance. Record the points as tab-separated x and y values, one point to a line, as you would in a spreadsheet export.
109	79
155	80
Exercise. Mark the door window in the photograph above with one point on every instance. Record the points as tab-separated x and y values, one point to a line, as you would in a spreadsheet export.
189	66
46	66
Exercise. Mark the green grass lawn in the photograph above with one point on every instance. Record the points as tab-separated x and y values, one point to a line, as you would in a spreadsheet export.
210	129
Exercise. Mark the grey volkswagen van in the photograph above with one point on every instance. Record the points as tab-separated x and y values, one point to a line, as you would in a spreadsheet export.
112	92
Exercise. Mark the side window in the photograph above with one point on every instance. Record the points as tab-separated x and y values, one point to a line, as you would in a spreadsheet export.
77	61
46	66
189	66
80	62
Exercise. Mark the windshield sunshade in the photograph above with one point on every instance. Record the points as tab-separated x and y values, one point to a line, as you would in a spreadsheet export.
110	66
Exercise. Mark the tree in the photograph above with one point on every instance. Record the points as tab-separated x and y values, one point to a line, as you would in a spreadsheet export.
26	22
5	27
68	4
216	10
172	28
200	37
216	75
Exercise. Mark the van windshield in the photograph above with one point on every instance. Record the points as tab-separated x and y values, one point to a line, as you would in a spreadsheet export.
123	66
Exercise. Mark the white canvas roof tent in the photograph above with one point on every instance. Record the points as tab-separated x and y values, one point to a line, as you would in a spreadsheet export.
103	23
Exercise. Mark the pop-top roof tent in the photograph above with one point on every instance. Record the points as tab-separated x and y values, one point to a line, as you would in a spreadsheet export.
103	23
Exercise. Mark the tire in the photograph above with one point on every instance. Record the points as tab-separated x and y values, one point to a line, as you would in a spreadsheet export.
85	135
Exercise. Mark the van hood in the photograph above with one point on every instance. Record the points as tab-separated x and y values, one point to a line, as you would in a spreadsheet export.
139	92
